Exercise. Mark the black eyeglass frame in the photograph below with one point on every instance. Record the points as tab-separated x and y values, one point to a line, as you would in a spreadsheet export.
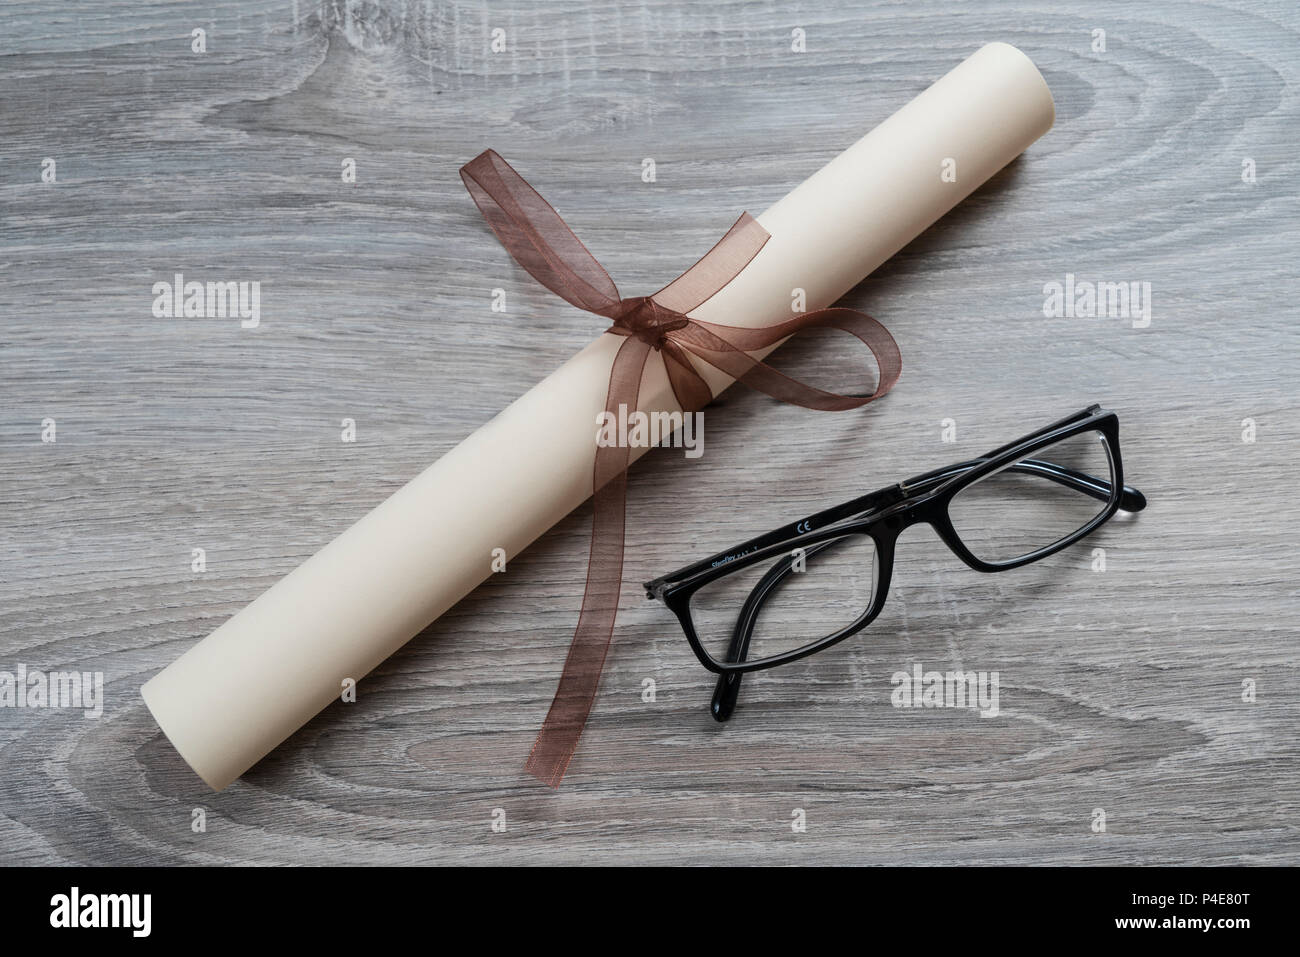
884	515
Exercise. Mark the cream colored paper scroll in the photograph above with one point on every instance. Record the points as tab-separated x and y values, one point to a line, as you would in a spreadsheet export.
238	693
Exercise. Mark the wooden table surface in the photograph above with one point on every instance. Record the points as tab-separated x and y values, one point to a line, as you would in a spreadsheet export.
1123	690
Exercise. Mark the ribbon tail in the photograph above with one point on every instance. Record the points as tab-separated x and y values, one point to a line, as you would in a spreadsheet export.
558	739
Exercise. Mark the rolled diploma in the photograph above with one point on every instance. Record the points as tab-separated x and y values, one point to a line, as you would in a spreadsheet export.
238	693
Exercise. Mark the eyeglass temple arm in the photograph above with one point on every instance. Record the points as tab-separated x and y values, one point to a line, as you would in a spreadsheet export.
858	506
1058	424
727	688
1130	499
928	481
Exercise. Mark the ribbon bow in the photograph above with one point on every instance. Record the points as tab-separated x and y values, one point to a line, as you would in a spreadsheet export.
540	241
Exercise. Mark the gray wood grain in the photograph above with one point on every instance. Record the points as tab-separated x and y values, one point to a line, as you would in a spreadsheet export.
1121	690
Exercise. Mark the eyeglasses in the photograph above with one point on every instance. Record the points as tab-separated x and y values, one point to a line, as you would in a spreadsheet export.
812	583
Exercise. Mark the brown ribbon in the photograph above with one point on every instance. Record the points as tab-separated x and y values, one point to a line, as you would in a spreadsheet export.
540	241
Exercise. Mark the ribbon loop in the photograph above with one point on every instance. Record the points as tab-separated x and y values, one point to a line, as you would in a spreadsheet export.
542	243
534	234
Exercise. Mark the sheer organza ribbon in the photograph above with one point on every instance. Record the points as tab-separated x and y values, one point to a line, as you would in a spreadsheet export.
540	241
